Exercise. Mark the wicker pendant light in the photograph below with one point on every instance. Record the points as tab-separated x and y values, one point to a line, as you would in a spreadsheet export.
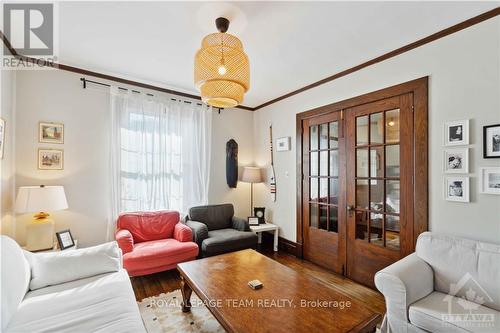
221	68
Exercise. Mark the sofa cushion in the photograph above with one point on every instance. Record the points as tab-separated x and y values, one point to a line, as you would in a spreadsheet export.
227	240
64	266
147	226
462	264
442	313
14	277
214	216
158	253
103	303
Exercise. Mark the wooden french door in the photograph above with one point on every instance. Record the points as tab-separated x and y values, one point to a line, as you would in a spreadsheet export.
360	207
379	141
323	204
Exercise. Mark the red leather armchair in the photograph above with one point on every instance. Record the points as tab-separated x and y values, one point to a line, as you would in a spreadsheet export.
154	241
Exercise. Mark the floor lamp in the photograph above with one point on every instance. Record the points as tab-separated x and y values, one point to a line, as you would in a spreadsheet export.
251	175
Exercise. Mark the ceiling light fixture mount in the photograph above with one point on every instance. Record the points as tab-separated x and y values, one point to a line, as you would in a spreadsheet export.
221	68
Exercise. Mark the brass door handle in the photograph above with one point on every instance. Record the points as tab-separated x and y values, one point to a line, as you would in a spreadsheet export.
350	209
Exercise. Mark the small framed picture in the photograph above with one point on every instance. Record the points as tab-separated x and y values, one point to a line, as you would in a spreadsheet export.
50	132
260	213
457	189
491	141
64	239
456	160
2	137
252	220
456	133
50	159
283	144
490	180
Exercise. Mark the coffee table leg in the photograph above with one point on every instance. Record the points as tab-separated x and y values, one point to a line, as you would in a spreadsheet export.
186	295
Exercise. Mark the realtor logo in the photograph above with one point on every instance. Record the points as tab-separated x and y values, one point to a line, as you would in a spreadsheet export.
30	28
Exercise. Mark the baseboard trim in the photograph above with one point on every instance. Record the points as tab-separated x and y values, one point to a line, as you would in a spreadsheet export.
284	244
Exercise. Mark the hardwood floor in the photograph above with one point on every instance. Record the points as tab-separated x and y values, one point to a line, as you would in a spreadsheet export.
164	282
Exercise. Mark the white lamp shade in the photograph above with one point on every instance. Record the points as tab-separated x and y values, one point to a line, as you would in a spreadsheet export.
251	175
32	199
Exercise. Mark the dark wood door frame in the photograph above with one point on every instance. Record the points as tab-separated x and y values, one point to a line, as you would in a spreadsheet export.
419	89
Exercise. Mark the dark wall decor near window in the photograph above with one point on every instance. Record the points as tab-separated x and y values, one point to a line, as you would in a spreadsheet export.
491	141
232	163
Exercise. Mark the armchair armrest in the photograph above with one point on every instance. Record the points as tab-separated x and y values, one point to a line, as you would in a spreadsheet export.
125	240
402	284
200	231
183	233
240	224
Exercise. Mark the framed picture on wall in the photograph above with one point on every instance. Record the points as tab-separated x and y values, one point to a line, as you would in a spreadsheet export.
491	141
456	160
490	181
457	189
456	133
50	132
50	159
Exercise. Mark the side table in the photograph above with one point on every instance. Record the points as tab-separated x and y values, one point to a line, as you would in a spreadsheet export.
258	229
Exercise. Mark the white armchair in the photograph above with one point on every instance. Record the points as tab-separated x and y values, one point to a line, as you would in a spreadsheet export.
448	285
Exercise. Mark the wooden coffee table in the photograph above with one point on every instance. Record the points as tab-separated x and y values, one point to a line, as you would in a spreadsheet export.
288	302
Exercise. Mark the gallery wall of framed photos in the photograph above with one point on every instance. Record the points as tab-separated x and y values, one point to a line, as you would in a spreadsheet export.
456	161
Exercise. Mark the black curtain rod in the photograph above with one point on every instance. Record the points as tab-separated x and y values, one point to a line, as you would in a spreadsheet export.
84	81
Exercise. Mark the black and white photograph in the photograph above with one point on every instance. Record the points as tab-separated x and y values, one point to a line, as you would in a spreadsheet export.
490	180
491	141
457	189
456	133
456	160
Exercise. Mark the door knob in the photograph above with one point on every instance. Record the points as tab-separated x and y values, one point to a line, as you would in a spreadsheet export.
350	209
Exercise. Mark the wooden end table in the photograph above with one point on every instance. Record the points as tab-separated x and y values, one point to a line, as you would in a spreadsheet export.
259	229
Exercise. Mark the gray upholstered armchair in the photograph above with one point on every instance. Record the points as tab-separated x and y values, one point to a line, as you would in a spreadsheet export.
216	230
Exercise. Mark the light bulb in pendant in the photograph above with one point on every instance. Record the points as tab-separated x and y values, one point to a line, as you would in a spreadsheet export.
222	69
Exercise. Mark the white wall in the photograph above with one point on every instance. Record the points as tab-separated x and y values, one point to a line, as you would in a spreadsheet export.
464	71
53	95
7	87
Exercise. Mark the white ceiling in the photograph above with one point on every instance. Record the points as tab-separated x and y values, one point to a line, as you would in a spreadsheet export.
290	44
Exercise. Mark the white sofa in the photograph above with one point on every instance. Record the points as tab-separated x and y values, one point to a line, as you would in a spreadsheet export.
84	290
449	284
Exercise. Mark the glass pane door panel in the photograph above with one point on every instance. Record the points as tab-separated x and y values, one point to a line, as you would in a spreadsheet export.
313	215
334	163
362	130
362	193
334	191
392	229
313	140
392	126
376	229
392	223
313	189
333	219
323	136
392	196
377	194
323	217
376	128
377	162
313	163
334	135
392	161
323	190
323	163
362	162
361	224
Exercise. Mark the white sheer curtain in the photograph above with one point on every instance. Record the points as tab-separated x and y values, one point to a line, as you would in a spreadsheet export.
160	153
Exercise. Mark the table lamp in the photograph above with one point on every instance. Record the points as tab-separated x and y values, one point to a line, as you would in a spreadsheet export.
40	200
251	175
